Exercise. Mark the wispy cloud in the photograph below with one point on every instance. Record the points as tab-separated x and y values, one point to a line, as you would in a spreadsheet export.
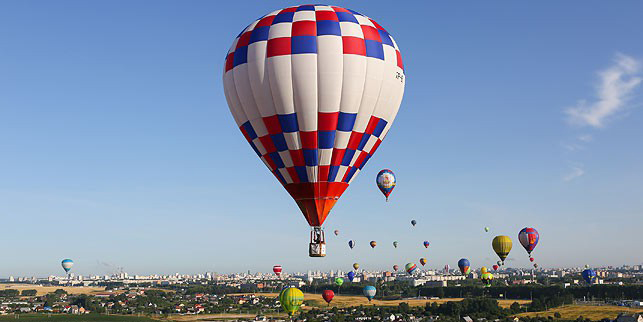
615	87
575	172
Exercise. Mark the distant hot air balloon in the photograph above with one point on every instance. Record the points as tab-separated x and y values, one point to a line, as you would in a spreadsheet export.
446	268
589	275
339	281
369	292
486	278
291	300
486	229
426	244
531	259
277	270
386	182
351	244
413	222
499	263
67	264
483	269
373	243
356	266
328	295
336	232
351	275
395	244
535	265
502	246
495	267
410	268
423	261
528	238
465	266
314	109
395	267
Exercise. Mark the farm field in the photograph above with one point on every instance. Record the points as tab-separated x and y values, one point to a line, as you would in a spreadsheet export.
75	318
594	313
49	289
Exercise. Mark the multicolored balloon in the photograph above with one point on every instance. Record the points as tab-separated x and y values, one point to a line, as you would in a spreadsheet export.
336	232
486	229
386	182
589	275
291	300
339	281
277	270
426	244
314	106
395	267
423	261
369	292
410	268
328	295
413	222
465	266
67	264
395	244
351	244
502	246
373	243
528	238
535	265
355	266
486	279
351	276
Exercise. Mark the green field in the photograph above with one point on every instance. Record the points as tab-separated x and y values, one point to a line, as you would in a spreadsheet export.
77	318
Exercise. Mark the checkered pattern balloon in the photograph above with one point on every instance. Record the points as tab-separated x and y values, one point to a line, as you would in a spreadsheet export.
314	89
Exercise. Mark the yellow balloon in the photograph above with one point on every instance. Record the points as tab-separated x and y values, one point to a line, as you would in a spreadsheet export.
483	270
291	300
502	246
355	266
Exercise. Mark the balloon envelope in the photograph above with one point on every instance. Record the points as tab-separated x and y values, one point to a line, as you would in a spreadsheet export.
314	106
328	295
395	244
67	264
336	232
291	300
413	222
502	246
483	269
589	275
395	267
426	244
531	259
277	269
339	281
495	267
369	292
351	276
410	268
464	265
373	243
423	261
528	238
351	244
355	266
386	182
486	229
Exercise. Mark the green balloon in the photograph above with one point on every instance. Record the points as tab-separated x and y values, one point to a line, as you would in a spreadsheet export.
339	281
291	299
486	229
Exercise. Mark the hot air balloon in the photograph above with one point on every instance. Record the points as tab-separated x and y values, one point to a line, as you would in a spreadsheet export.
291	300
410	268
589	275
356	266
386	182
486	278
413	222
369	292
314	100
531	259
395	267
535	265
67	264
502	246
486	229
495	267
339	281
426	244
465	266
351	276
499	263
328	295
423	261
277	270
586	266
373	243
336	232
351	244
446	268
483	269
528	238
395	244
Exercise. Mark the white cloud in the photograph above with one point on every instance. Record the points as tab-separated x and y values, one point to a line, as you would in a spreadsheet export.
585	138
575	172
615	87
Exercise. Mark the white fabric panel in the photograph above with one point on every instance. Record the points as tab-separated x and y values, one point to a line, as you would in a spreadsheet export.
285	174
353	80
340	173
390	55
364	21
304	79
292	140
304	15
244	92
374	75
259	146
259	82
280	30
233	100
351	29
354	176
324	157
285	157
312	173
281	85
390	86
330	66
341	139
323	8
370	143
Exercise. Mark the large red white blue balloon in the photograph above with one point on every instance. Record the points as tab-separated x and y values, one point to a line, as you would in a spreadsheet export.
528	238
314	89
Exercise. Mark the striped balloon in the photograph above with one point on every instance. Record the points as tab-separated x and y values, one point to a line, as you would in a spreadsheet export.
314	89
67	264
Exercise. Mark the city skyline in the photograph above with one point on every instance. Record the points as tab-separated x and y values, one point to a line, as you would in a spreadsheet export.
118	148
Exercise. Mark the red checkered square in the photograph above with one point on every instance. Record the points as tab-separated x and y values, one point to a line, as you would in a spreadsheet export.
304	28
354	45
278	47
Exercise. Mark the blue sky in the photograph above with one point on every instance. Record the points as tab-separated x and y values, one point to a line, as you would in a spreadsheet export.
117	148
